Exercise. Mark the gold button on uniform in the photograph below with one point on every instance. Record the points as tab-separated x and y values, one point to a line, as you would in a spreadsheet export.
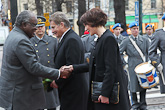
48	55
47	49
36	50
48	61
36	45
47	43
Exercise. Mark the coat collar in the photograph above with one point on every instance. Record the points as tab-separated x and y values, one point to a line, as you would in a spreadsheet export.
44	39
20	31
61	42
139	38
106	33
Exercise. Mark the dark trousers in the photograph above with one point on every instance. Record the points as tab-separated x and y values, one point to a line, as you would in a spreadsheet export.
139	105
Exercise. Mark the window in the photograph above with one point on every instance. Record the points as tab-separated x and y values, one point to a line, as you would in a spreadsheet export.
25	6
153	4
126	5
111	5
97	3
69	6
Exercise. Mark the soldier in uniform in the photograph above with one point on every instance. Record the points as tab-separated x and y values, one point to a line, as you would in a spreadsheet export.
124	30
117	29
45	48
133	60
149	31
89	43
158	41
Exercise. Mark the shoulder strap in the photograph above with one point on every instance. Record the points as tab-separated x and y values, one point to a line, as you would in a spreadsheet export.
137	48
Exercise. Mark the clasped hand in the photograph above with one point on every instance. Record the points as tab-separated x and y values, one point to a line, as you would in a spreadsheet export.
65	71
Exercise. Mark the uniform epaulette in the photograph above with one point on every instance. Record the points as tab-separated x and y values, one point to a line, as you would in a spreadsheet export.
158	30
84	35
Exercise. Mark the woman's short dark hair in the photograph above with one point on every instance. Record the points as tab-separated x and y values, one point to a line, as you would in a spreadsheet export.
94	17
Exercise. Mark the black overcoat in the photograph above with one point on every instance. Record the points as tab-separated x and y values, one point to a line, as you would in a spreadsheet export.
73	91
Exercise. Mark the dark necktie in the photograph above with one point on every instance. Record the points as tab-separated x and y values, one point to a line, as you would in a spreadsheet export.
135	39
58	43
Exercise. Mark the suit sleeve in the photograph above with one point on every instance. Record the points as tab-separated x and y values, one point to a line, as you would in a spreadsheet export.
153	49
80	68
27	56
110	61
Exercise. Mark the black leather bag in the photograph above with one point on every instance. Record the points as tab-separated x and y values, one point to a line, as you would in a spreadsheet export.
96	92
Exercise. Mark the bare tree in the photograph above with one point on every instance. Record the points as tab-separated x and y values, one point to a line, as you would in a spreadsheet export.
119	7
81	11
39	7
58	4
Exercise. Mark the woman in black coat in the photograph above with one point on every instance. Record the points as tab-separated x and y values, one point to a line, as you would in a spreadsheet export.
105	63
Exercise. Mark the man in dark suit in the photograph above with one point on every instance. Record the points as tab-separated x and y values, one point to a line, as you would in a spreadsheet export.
73	92
21	85
45	47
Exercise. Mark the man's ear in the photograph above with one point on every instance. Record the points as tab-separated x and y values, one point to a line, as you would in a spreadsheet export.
24	24
62	24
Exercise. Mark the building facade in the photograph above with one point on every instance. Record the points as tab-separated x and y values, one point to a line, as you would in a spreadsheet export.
152	10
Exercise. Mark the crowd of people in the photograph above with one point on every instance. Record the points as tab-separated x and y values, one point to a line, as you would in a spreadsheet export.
42	72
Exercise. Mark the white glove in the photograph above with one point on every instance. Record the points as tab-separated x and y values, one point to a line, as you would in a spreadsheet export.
160	67
149	62
126	69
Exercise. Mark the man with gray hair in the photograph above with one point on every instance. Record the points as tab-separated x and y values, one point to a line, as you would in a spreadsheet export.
21	85
73	92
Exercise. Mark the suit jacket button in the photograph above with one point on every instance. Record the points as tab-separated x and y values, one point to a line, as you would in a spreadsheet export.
36	50
48	55
47	49
48	61
36	45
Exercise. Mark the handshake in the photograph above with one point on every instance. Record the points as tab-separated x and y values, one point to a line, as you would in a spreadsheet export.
65	71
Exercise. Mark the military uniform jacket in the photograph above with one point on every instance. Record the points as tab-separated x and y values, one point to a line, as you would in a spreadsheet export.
158	41
21	85
134	58
119	39
149	37
89	43
45	49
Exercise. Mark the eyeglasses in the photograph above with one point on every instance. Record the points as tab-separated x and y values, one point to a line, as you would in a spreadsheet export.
33	25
